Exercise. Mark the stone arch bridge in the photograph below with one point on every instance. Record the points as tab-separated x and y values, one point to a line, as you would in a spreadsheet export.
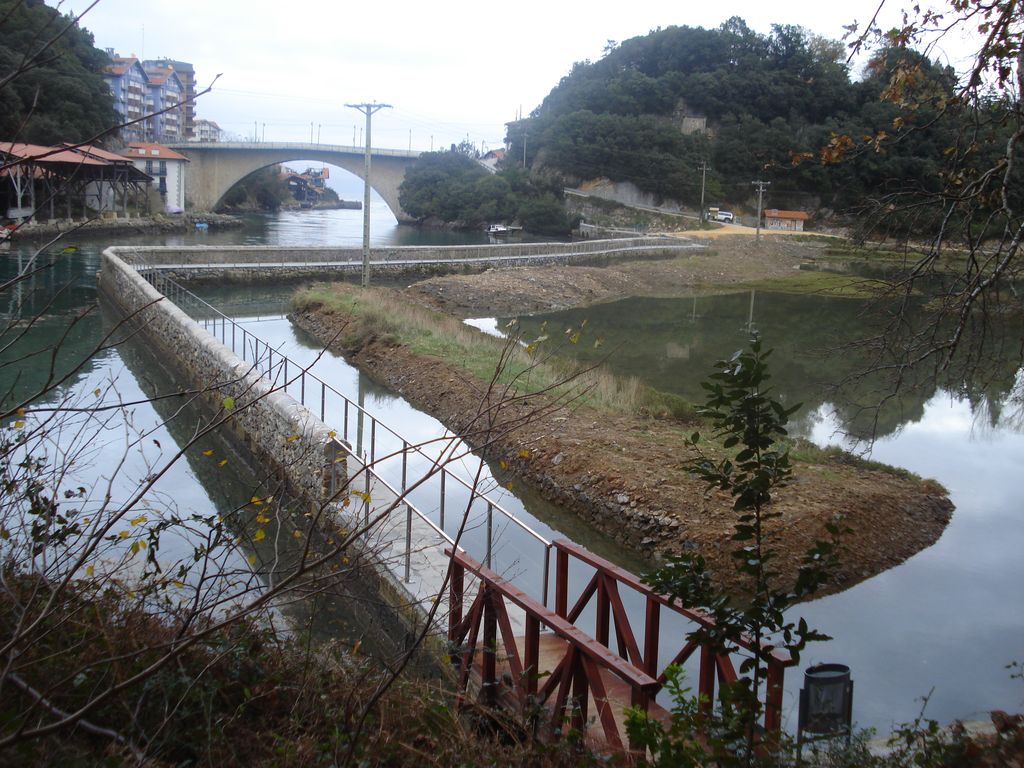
215	167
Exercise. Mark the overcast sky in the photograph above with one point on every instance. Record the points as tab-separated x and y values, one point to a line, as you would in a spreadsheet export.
449	69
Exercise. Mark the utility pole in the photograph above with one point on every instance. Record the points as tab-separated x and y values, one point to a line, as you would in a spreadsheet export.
703	168
760	197
368	110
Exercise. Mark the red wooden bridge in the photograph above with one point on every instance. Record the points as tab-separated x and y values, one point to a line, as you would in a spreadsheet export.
581	672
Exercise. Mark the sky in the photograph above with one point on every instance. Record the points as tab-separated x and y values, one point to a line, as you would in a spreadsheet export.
449	70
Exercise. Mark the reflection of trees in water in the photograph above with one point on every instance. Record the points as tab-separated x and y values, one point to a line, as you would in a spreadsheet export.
818	359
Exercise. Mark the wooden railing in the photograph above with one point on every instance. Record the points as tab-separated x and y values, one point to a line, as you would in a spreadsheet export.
610	613
572	681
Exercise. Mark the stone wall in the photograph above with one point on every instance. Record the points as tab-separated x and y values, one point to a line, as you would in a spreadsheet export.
284	437
269	254
279	432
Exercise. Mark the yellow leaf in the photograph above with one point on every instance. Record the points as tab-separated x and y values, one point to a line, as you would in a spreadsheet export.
524	453
260	535
179	584
20	412
268	499
207	453
251	559
296	534
509	485
332	433
19	424
291	438
123	534
261	518
89	570
503	464
137	520
222	462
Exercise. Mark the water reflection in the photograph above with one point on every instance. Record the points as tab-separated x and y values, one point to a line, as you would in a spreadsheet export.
672	344
951	617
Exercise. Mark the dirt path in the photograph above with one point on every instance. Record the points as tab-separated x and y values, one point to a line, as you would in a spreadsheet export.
625	475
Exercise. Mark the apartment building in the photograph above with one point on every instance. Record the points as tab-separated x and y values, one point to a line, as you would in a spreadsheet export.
151	97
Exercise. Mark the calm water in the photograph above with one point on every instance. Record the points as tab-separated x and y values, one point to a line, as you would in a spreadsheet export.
949	618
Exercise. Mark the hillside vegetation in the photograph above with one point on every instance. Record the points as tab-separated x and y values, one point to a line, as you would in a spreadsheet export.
51	82
778	107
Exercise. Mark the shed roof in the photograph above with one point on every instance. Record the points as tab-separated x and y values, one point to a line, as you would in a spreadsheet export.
775	213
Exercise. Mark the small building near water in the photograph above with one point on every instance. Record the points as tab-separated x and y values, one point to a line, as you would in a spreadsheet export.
791	220
167	167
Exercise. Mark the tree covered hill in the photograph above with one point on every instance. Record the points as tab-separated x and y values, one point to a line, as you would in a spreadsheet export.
753	106
51	77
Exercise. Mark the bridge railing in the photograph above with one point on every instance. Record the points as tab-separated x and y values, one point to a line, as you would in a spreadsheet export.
577	669
421	480
603	590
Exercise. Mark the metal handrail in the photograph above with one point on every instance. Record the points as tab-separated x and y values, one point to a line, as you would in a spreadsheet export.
161	282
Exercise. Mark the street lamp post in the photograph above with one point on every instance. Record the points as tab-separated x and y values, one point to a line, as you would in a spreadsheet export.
368	110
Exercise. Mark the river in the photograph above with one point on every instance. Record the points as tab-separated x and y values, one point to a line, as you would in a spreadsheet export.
949	618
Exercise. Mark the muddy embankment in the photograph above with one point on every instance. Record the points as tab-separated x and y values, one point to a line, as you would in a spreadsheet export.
627	476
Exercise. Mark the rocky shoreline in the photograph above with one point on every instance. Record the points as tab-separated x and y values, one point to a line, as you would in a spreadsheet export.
185	222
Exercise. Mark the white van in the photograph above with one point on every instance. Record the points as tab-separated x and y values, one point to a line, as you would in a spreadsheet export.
724	216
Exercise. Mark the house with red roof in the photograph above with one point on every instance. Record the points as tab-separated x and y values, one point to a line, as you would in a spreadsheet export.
787	220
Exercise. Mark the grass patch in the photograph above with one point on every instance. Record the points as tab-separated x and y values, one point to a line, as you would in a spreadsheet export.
807	452
534	365
831	284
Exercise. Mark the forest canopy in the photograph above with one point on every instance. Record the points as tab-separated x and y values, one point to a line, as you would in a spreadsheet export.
51	77
753	106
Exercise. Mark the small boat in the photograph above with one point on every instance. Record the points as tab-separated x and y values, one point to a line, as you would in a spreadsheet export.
497	230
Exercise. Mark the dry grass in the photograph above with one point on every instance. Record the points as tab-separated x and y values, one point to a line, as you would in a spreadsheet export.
530	364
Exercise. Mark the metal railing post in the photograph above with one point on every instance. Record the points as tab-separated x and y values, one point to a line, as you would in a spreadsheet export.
405	462
366	497
443	473
408	543
490	522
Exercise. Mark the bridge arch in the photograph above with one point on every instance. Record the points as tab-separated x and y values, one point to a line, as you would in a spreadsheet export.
215	167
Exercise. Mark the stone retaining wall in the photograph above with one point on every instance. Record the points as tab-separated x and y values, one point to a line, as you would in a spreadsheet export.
257	263
279	432
281	435
268	254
